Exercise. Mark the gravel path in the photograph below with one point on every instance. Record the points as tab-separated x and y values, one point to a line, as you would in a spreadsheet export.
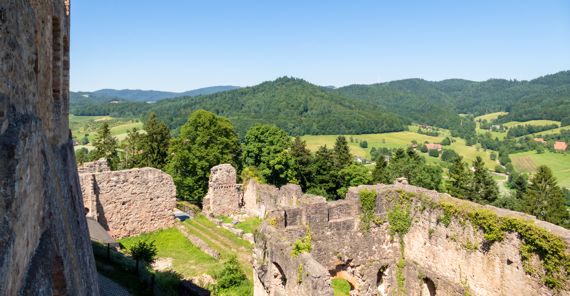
109	288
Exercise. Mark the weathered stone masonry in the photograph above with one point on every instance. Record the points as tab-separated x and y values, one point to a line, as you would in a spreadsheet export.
128	202
44	244
433	258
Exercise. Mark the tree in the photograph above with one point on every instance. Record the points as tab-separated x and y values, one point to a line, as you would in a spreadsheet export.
156	141
132	147
433	153
381	174
364	144
206	140
302	157
353	175
449	155
144	251
266	147
483	188
106	146
341	153
544	198
82	155
459	179
324	173
446	141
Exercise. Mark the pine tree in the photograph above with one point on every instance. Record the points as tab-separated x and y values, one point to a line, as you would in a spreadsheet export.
324	173
483	187
381	174
155	144
106	146
133	149
302	157
341	153
459	178
544	198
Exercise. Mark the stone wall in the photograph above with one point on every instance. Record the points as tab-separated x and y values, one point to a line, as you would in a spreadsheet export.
44	244
129	202
434	257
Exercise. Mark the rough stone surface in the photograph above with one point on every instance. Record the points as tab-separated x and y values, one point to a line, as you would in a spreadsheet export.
44	243
224	195
129	202
437	258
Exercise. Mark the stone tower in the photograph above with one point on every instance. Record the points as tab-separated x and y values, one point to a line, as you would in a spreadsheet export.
44	243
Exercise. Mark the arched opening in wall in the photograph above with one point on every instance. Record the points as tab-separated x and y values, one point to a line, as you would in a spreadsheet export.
428	287
340	272
278	280
382	280
86	210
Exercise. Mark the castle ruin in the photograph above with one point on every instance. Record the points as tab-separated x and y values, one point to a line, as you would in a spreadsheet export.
127	202
44	243
413	241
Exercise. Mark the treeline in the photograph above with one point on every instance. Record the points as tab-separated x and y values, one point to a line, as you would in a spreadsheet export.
527	129
268	154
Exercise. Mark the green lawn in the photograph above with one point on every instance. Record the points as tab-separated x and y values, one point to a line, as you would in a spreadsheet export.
559	163
341	287
187	259
531	122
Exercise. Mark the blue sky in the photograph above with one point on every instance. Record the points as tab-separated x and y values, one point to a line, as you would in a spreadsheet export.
178	45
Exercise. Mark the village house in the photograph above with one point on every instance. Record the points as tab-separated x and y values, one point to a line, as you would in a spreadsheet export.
560	146
539	140
433	146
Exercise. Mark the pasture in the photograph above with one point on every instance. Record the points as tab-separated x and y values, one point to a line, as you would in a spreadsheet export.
559	163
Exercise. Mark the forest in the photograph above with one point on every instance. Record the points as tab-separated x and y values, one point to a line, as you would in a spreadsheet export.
300	108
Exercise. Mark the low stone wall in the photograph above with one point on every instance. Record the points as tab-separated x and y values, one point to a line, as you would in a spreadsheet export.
442	253
129	202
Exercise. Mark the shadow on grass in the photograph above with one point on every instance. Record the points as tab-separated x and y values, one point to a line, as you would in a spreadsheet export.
122	269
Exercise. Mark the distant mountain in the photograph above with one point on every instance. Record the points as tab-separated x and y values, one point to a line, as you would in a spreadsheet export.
137	95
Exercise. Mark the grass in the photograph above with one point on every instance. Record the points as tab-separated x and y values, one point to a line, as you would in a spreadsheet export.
531	122
490	116
559	163
249	225
170	243
340	287
82	125
401	140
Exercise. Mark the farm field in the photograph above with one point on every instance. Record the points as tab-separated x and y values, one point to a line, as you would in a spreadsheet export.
399	140
88	125
559	163
502	135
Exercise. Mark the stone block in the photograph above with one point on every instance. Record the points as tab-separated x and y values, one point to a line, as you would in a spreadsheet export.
293	217
341	209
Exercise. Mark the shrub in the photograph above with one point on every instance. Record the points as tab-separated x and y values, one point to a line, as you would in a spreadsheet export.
368	204
364	144
143	250
400	221
433	153
340	287
230	276
303	244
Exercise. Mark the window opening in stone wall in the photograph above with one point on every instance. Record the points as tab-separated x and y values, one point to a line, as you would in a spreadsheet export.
56	59
428	288
381	282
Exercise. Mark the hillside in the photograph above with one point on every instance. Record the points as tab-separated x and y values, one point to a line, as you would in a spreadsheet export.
137	95
294	105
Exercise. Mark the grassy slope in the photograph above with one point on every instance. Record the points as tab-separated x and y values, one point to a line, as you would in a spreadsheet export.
501	136
81	125
491	116
529	161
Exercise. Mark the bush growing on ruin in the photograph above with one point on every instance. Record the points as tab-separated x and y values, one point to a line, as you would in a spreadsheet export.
229	277
144	251
303	244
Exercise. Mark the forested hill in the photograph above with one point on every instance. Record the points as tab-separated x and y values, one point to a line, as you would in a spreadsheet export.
438	103
137	95
292	104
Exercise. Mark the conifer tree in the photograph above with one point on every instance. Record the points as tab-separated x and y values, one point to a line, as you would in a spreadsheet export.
106	146
381	173
341	153
302	157
459	178
544	198
155	142
483	187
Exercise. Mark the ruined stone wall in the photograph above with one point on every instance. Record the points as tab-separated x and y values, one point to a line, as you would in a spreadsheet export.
224	195
44	244
437	256
129	202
